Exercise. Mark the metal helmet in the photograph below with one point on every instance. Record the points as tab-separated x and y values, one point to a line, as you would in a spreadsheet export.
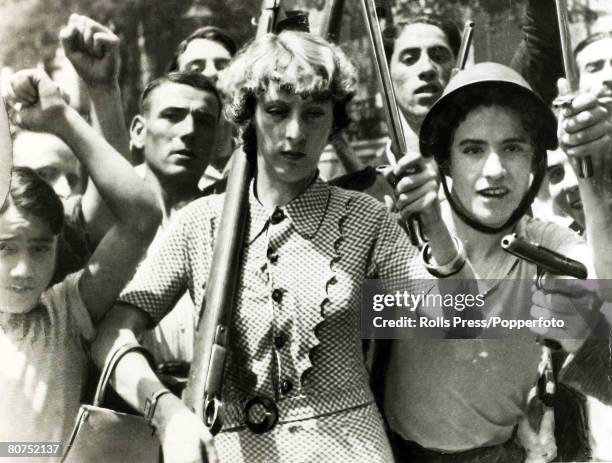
435	136
479	76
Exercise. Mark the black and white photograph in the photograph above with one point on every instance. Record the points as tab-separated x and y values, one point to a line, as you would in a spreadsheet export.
305	231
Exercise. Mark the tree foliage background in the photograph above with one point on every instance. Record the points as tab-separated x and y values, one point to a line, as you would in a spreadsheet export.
151	29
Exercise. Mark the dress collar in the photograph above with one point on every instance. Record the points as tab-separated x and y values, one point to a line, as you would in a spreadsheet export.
306	212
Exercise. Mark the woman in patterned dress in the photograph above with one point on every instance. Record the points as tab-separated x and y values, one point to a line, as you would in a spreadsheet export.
296	349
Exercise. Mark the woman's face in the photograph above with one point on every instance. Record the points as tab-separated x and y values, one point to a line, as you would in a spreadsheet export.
491	159
291	134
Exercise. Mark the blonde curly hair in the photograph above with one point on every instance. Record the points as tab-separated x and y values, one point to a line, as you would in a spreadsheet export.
297	62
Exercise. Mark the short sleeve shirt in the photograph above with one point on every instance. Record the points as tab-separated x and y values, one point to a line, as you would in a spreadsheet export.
43	365
295	334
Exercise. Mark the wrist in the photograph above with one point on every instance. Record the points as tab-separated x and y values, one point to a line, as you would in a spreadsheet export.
61	121
166	407
449	267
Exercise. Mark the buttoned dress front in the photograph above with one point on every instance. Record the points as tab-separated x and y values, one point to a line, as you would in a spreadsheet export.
295	335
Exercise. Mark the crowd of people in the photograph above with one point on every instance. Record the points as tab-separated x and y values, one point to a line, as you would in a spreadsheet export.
97	253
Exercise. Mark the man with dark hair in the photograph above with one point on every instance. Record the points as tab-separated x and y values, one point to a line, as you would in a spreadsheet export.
208	50
175	131
594	59
422	51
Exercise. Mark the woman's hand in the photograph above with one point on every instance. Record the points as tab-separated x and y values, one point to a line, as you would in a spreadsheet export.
184	438
416	186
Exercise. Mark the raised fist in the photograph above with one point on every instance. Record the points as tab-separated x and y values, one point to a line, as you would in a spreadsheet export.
93	50
37	100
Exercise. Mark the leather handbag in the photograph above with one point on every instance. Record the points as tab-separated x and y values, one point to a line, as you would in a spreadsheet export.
102	434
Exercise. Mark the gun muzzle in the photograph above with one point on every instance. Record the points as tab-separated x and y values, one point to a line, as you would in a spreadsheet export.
550	261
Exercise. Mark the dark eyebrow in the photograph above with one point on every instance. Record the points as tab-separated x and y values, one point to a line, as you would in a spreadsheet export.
516	140
471	141
173	108
597	61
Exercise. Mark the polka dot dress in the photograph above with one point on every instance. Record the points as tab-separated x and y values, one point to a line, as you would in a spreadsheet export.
296	335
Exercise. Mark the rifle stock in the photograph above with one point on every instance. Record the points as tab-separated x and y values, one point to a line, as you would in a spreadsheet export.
204	387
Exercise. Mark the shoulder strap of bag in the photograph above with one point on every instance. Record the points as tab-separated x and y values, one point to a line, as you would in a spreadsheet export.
110	365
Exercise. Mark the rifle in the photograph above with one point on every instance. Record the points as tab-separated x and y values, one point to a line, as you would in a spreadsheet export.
6	153
392	113
204	387
585	165
330	29
464	49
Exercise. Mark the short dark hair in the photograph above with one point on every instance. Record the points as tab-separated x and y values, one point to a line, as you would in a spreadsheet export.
591	39
484	95
216	34
31	194
450	29
192	79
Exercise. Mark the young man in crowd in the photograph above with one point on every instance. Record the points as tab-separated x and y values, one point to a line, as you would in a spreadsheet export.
208	50
594	59
175	129
52	159
422	52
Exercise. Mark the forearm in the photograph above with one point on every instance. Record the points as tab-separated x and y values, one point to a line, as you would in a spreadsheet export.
108	117
597	203
127	196
133	379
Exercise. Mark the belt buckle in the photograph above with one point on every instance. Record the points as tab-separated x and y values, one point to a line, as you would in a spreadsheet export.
270	414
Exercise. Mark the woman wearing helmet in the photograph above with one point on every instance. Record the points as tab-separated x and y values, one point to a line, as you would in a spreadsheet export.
457	399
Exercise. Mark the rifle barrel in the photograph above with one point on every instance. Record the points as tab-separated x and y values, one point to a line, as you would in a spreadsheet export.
585	165
466	41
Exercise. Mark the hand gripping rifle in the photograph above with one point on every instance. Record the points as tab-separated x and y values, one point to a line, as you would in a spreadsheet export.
392	113
555	264
585	166
204	387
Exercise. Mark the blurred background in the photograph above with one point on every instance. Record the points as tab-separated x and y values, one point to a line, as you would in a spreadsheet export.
151	29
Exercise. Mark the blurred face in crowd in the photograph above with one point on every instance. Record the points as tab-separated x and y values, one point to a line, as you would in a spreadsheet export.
595	66
27	259
490	164
205	56
420	67
177	130
563	186
291	134
50	158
